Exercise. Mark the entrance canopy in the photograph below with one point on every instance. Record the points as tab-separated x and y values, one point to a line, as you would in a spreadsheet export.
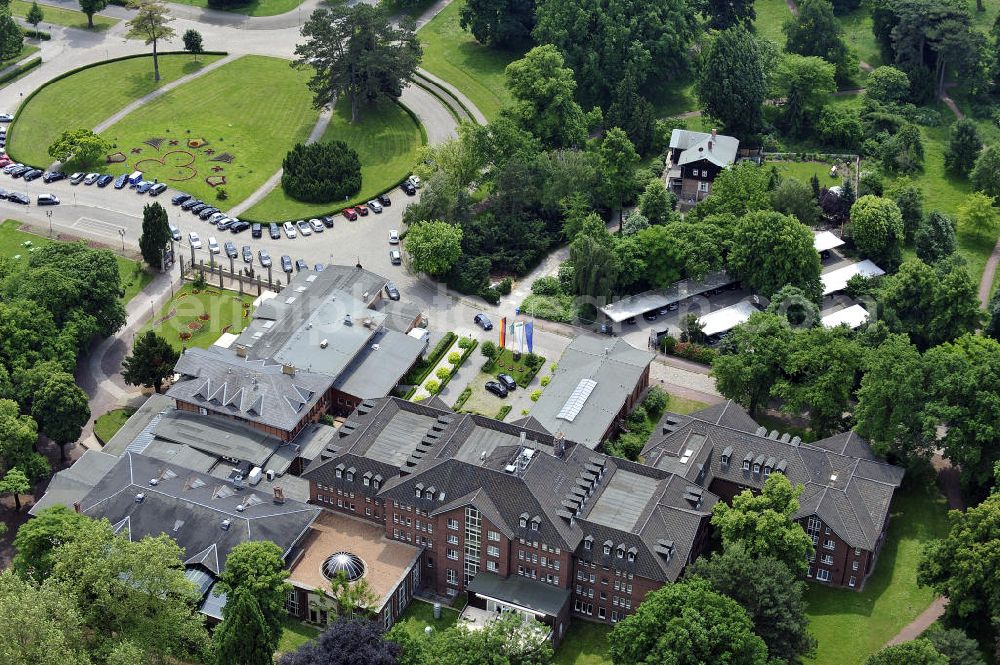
520	593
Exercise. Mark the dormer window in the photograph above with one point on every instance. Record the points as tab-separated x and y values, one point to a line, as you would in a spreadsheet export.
429	494
631	557
340	470
607	547
367	481
756	468
350	476
418	492
588	544
375	484
535	521
620	552
523	521
767	471
725	460
746	465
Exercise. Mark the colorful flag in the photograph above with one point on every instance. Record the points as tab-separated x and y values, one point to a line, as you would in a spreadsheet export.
529	330
503	332
517	330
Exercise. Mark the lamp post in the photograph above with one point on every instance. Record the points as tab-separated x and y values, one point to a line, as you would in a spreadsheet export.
48	213
121	232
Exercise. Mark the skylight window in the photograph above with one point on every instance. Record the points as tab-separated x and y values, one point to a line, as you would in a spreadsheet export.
571	409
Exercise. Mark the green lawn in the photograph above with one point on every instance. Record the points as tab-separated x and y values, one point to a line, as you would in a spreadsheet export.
518	369
420	614
683	405
387	141
253	7
12	244
674	97
253	110
26	50
585	644
851	625
858	33
107	426
87	98
454	55
204	315
65	17
771	15
295	633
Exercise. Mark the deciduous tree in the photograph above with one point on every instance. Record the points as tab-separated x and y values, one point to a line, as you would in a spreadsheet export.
357	53
61	409
151	24
794	197
657	203
793	303
978	215
725	14
954	644
763	523
806	83
79	146
633	113
11	36
39	625
751	358
499	23
686	623
151	362
91	7
618	159
816	31
909	199
38	538
917	652
346	642
877	230
35	16
733	82
985	175
15	483
887	85
18	435
770	250
434	246
193	42
544	104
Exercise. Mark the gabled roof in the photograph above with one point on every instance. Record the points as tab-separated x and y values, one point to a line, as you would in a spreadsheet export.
846	485
720	150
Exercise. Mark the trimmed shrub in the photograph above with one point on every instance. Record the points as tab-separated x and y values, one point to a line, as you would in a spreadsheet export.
455	357
465	342
546	380
504	410
432	387
535	394
442	373
321	172
19	70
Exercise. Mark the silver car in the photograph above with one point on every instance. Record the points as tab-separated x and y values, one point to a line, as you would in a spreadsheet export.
317	226
304	227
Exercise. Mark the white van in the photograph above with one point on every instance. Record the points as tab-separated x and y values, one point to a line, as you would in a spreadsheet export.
213	245
135	178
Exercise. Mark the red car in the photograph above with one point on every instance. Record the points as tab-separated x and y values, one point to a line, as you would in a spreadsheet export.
349	214
361	210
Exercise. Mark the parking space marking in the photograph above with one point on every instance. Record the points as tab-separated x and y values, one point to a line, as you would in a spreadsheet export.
97	227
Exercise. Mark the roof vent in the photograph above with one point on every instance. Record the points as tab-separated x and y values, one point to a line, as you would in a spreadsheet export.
226	524
510	468
240	508
324	343
833	478
139	497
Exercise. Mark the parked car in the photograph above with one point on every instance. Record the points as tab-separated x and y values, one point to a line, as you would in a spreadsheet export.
205	212
301	265
178	199
122	180
630	320
395	257
289	230
230	249
327	221
483	321
20	171
391	291
650	316
10	168
415	181
286	263
19	197
6	117
224	223
247	254
507	381
317	226
496	388
274	231
256	230
349	214
190	203
303	227
91	178
361	210
375	206
199	207
606	329
213	245
48	200
319	267
384	200
194	240
264	257
175	232
107	179
4	193
216	217
155	190
393	237
53	176
33	174
239	226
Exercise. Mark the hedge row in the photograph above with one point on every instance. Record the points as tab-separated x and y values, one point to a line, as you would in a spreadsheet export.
20	69
37	34
423	367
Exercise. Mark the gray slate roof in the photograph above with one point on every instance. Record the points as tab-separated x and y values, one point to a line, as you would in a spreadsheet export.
377	368
614	364
695	147
846	486
254	390
71	485
521	591
191	507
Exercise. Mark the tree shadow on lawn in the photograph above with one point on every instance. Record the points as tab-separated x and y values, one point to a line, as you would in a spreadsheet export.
139	82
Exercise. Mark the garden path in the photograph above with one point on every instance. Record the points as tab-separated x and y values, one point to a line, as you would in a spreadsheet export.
989	273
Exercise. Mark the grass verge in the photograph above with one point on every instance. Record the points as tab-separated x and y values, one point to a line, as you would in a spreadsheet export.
452	54
69	18
201	315
420	614
294	634
585	644
12	244
387	140
253	109
107	426
251	8
849	625
84	99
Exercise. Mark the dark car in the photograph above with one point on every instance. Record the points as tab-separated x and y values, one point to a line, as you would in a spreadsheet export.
207	212
230	248
175	232
606	329
239	227
286	263
199	207
180	198
395	258
483	321
256	230
53	176
496	388
630	320
327	221
408	188
301	265
48	200
349	214
33	174
391	291
650	316
265	258
247	254
20	171
508	381
19	197
4	193
106	180
122	180
155	190
384	199
274	231
190	203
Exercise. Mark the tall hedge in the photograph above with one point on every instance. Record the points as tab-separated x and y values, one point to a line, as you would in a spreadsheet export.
321	172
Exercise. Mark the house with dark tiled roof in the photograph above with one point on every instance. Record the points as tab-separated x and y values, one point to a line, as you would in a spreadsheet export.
519	518
847	494
694	160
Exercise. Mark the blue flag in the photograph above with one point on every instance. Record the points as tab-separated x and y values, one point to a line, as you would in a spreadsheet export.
529	329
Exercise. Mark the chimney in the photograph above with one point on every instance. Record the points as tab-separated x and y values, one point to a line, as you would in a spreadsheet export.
710	145
714	134
279	494
241	351
288	369
77	507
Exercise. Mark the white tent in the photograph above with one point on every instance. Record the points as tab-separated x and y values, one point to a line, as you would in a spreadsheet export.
836	280
727	318
824	240
854	316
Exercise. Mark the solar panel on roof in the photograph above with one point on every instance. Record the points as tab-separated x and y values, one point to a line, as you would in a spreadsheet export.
571	409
